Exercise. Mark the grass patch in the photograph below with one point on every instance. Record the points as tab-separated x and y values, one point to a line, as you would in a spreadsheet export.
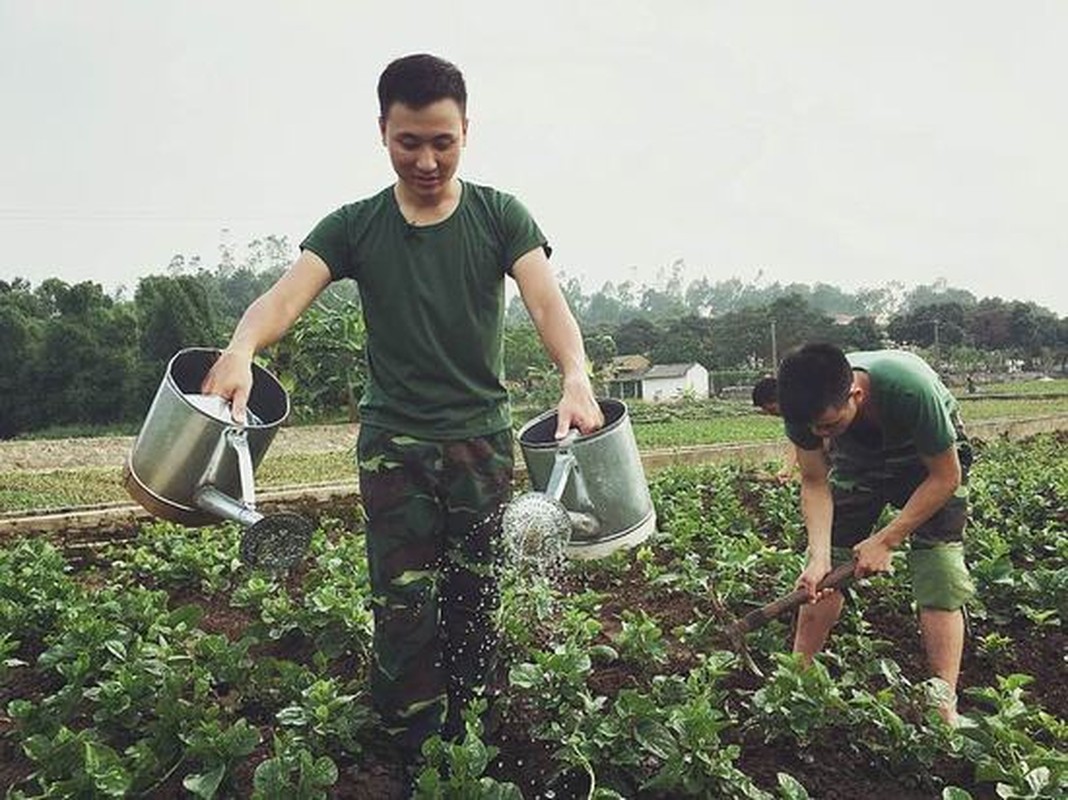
726	430
297	469
1056	386
975	410
24	491
60	488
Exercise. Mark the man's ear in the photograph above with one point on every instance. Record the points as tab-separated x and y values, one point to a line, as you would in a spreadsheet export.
382	128
464	142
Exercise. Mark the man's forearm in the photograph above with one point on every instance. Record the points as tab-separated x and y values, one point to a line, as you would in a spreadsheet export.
262	324
817	509
929	496
560	334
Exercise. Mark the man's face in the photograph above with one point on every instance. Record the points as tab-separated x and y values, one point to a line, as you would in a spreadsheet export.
835	420
424	145
771	409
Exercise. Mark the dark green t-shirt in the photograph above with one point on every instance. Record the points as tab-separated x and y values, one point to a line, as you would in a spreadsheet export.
916	410
433	304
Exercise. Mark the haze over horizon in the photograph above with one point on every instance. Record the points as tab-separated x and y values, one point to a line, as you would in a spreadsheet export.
837	142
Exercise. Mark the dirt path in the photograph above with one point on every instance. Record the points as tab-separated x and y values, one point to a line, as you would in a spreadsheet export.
111	451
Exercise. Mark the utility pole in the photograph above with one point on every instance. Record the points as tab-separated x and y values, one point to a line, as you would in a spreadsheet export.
774	349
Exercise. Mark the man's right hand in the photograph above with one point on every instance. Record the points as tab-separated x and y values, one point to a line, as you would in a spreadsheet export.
230	377
814	572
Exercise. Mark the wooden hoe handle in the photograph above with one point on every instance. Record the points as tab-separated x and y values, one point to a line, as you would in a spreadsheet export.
759	617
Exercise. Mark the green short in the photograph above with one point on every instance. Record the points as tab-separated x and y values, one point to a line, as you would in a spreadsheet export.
936	570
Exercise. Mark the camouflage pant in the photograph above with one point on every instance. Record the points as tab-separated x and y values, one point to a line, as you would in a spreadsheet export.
433	523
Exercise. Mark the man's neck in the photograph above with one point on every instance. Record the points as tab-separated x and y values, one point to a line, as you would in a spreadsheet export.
868	412
423	210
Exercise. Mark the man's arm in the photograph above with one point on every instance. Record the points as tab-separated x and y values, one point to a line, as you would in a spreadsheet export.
562	339
943	478
817	508
264	322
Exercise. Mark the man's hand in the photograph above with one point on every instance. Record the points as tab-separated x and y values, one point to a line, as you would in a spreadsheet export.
578	408
230	377
810	579
873	555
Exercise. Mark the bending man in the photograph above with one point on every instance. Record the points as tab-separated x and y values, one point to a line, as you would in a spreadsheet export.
896	438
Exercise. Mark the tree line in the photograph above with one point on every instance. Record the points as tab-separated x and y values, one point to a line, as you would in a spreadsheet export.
74	355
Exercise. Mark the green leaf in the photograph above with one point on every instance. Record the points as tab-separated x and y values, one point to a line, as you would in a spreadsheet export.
1038	779
791	787
324	771
489	789
657	739
207	784
270	777
955	793
525	676
604	652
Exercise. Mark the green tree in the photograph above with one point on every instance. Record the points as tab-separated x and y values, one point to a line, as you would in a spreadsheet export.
20	335
322	358
860	333
175	313
86	365
685	340
524	353
636	336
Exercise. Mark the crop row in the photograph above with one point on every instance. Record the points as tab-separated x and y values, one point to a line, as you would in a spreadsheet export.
166	668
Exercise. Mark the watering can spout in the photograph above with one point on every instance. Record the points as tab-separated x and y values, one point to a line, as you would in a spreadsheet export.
596	478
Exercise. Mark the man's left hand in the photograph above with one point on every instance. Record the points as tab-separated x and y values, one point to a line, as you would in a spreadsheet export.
873	555
578	408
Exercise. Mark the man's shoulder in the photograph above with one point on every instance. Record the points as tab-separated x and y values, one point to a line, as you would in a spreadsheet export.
372	202
489	197
889	361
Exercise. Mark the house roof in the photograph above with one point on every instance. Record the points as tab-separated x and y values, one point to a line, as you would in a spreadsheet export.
629	367
634	362
669	370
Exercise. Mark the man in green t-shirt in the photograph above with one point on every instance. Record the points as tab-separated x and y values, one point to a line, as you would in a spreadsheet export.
429	255
895	438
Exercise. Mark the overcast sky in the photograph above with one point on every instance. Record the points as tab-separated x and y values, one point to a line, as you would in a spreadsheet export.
848	142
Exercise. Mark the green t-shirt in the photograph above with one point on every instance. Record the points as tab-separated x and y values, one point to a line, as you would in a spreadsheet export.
916	410
433	304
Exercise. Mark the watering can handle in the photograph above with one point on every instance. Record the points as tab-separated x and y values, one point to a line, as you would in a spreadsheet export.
237	438
563	464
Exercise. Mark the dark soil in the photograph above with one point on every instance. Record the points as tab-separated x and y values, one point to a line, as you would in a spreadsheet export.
828	768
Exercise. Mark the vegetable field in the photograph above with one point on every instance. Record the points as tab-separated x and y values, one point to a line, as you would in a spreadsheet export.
163	668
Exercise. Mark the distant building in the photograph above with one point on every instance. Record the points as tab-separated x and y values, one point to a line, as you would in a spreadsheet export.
664	382
626	380
657	383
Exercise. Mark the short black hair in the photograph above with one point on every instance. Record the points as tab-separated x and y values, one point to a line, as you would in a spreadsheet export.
765	391
813	378
419	80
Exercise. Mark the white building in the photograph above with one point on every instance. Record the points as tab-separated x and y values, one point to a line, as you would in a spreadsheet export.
664	382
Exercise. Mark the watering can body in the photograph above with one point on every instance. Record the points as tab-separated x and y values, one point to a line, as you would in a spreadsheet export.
183	446
606	482
192	464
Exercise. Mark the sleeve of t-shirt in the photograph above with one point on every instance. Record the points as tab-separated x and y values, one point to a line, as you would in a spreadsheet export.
802	436
932	428
521	232
330	241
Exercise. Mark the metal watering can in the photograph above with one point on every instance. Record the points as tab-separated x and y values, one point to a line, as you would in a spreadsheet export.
192	464
590	497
